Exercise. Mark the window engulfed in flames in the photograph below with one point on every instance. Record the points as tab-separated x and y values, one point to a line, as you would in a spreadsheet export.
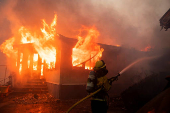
43	49
42	43
86	52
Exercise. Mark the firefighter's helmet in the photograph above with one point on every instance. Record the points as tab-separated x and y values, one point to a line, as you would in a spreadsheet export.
99	65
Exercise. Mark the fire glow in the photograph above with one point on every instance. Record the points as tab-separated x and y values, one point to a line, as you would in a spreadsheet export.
86	52
34	51
148	48
42	43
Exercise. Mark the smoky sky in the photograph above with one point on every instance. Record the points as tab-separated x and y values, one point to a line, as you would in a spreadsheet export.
130	23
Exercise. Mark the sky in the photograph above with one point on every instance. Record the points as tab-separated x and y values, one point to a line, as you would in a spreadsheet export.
129	23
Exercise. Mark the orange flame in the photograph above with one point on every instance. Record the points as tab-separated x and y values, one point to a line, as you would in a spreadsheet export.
118	45
43	44
86	51
20	68
42	67
148	48
35	61
21	57
7	48
29	61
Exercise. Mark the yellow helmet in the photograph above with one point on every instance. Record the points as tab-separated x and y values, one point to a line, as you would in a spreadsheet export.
99	65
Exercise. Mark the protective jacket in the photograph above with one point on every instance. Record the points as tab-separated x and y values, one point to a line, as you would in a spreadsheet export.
101	82
97	80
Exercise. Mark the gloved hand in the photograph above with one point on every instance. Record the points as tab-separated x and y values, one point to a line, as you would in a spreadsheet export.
112	79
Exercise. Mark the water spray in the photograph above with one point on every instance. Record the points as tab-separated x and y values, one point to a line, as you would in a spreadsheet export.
141	59
111	80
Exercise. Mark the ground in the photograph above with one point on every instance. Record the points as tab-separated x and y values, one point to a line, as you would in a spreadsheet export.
45	103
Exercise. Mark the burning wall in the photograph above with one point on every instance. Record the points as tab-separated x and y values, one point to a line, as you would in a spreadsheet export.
72	78
36	51
63	81
32	51
86	52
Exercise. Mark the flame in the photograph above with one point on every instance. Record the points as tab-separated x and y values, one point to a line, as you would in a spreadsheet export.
20	68
21	57
86	51
35	61
148	48
42	67
43	43
29	61
7	48
26	36
118	45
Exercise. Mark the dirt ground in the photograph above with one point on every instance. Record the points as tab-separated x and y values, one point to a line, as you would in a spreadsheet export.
45	103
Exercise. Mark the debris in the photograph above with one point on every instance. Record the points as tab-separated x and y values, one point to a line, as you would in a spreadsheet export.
35	96
35	99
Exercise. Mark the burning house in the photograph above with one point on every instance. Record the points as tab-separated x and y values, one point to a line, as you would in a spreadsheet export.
64	63
52	57
30	53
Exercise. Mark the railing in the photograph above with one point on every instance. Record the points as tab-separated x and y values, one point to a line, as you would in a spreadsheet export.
3	80
5	74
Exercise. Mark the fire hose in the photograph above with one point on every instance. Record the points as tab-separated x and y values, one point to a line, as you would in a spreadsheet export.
88	96
83	100
110	81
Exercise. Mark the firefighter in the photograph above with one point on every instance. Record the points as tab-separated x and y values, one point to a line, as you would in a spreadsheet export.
97	79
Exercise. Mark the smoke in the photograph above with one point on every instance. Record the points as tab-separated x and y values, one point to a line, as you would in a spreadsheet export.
130	23
119	22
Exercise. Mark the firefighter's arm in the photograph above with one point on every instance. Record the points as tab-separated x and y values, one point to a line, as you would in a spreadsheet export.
103	82
113	79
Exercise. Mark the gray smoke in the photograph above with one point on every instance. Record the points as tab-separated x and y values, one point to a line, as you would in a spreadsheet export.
130	23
